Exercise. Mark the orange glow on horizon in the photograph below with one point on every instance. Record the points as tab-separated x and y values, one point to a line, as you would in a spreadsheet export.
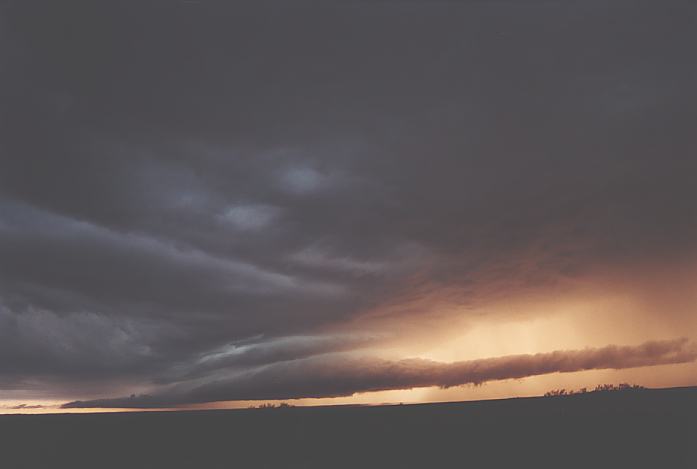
610	309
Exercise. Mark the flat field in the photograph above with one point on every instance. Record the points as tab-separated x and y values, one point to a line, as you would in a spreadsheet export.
648	428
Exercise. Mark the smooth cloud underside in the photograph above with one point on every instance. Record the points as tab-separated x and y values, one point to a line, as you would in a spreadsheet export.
346	376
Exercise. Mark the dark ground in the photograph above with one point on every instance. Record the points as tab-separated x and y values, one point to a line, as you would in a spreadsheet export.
650	428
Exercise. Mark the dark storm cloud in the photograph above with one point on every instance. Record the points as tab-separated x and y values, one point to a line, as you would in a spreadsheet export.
336	377
178	177
41	343
23	407
256	351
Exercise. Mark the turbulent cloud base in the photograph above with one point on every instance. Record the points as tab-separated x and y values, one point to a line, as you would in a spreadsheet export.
190	191
335	377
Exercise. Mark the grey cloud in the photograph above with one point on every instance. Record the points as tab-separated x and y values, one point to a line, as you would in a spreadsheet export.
64	237
333	377
40	344
315	257
303	180
246	354
225	171
249	217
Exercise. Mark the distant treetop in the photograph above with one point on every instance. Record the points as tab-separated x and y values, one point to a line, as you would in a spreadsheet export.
598	388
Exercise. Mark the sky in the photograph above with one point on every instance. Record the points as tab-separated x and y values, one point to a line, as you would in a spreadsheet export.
209	204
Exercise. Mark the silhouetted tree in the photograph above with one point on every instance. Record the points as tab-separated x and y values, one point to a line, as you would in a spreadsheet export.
598	388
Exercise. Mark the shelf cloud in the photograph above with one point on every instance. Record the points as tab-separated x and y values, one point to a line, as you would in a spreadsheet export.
333	377
230	201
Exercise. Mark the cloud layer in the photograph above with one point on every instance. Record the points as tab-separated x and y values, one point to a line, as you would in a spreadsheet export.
334	377
193	190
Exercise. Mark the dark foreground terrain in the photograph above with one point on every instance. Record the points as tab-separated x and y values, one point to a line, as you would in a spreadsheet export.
650	428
